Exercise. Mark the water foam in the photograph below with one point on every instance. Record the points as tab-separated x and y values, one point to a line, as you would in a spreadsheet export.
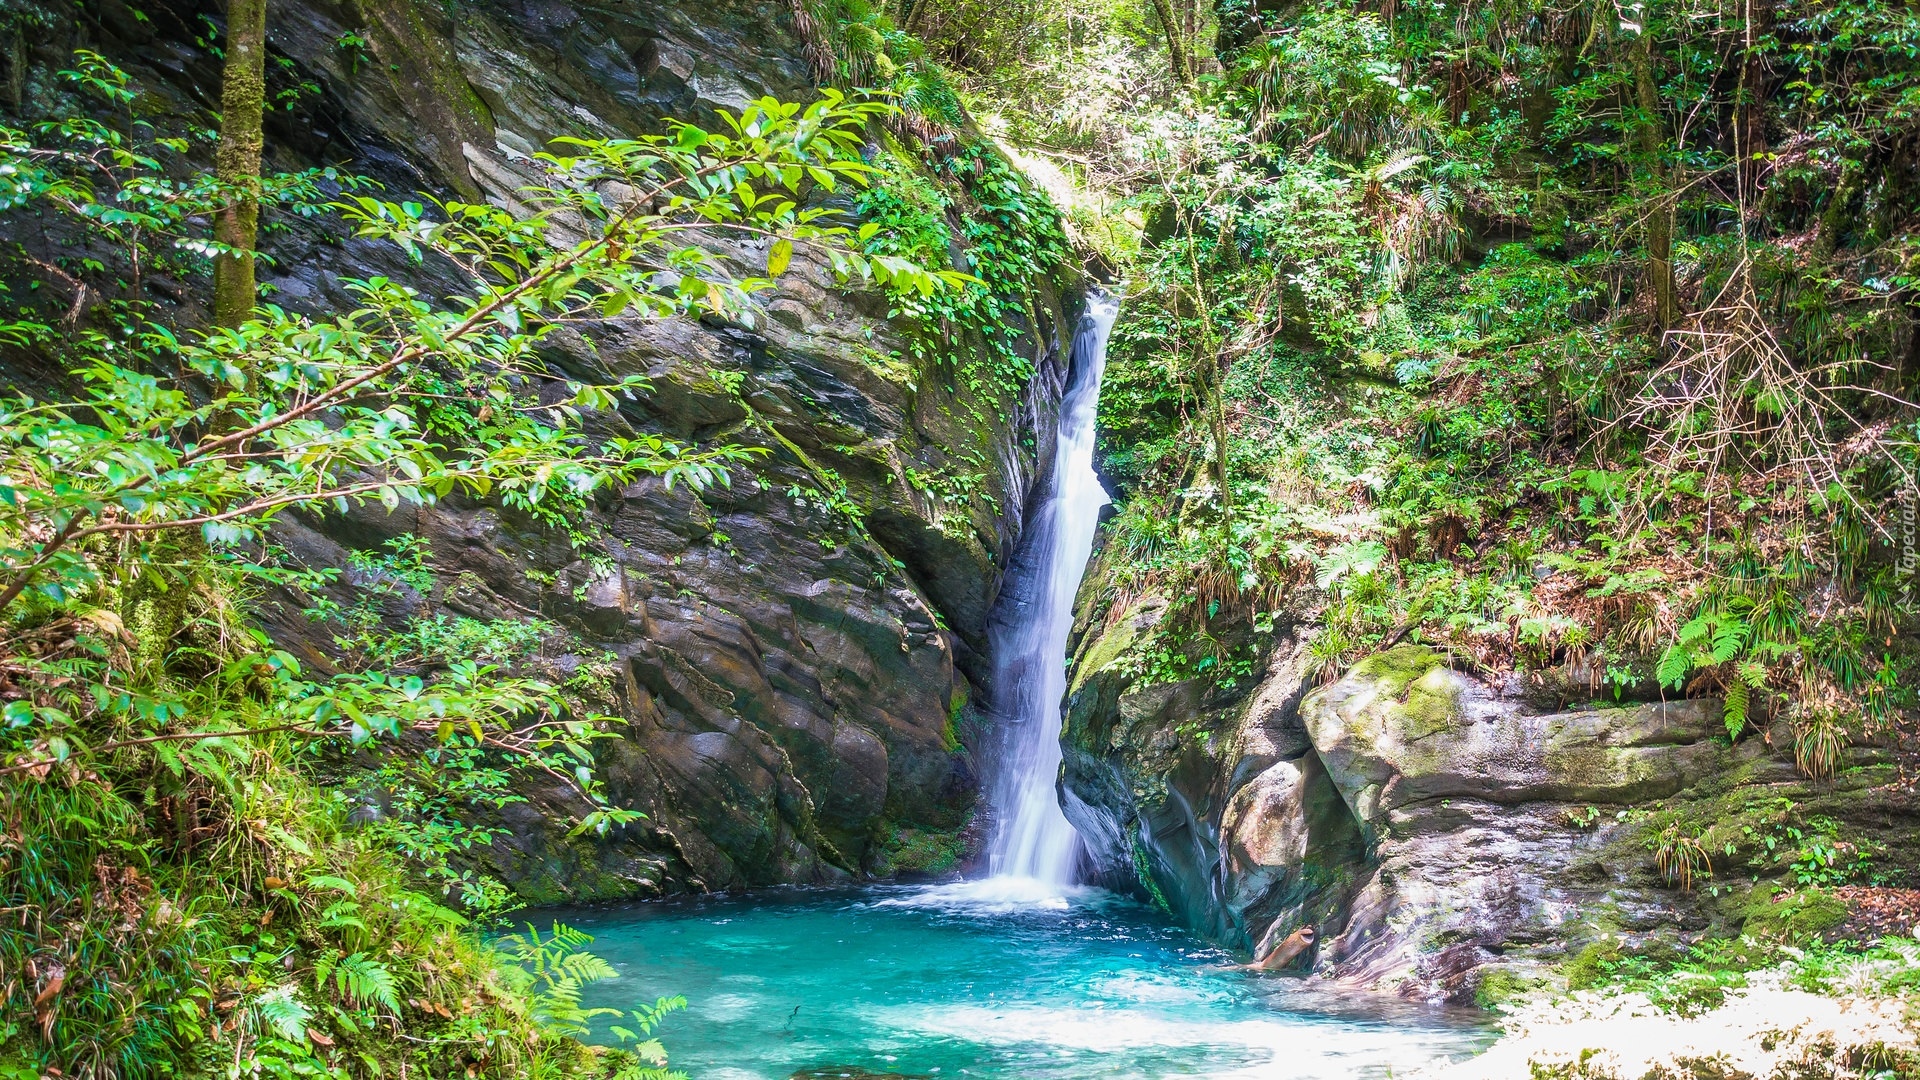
996	896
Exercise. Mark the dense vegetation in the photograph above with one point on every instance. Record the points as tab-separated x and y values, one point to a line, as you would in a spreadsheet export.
1579	340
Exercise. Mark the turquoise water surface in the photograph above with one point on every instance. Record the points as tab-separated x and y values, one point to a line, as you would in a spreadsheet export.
982	979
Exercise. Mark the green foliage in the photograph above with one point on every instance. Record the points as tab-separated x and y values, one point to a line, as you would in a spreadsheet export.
1382	309
1681	859
175	791
1793	915
557	969
207	909
1014	240
1593	965
916	851
316	411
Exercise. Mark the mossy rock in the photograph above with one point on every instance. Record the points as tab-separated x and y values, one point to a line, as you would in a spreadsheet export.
1778	914
1113	642
1418	678
1500	986
1395	669
921	852
1592	966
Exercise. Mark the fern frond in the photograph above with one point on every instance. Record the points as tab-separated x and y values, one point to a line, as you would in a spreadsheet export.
323	967
362	979
1675	663
282	1011
1735	714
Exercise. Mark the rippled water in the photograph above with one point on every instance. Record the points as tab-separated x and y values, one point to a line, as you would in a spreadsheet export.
982	979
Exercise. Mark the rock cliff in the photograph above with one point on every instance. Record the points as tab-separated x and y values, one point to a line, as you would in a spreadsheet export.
793	654
1432	826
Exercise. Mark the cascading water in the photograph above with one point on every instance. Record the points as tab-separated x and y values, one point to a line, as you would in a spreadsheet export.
1031	838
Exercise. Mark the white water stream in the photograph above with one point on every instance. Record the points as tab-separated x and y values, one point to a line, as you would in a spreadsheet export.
1032	843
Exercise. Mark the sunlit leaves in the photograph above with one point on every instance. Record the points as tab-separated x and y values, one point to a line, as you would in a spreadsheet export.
214	435
324	410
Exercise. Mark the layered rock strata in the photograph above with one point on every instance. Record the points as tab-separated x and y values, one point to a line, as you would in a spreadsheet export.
792	679
1428	824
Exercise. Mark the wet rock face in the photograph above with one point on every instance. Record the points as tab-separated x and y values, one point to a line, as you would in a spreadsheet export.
1429	826
1472	814
789	685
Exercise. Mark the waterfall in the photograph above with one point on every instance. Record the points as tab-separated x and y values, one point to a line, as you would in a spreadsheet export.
1031	838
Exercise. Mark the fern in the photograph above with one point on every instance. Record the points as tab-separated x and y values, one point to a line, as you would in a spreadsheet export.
1729	637
1358	558
323	967
282	1011
646	1049
1735	713
1707	640
559	968
1675	663
341	914
362	980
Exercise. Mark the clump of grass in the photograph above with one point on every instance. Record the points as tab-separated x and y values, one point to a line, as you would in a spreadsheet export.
1818	741
1680	858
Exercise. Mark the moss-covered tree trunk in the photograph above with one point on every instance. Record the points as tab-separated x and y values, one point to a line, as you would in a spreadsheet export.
1176	43
1221	466
243	93
1653	138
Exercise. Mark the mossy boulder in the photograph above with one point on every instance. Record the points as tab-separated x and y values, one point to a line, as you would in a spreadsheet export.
1403	727
1776	913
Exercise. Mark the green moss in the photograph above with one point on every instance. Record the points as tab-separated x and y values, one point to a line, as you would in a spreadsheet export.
1394	670
956	708
1431	706
1791	915
918	851
1113	642
1143	871
1592	965
1498	986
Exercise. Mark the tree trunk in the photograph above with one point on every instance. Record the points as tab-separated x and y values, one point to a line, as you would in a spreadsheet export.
1220	462
1837	215
1176	44
1750	114
1653	139
236	162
